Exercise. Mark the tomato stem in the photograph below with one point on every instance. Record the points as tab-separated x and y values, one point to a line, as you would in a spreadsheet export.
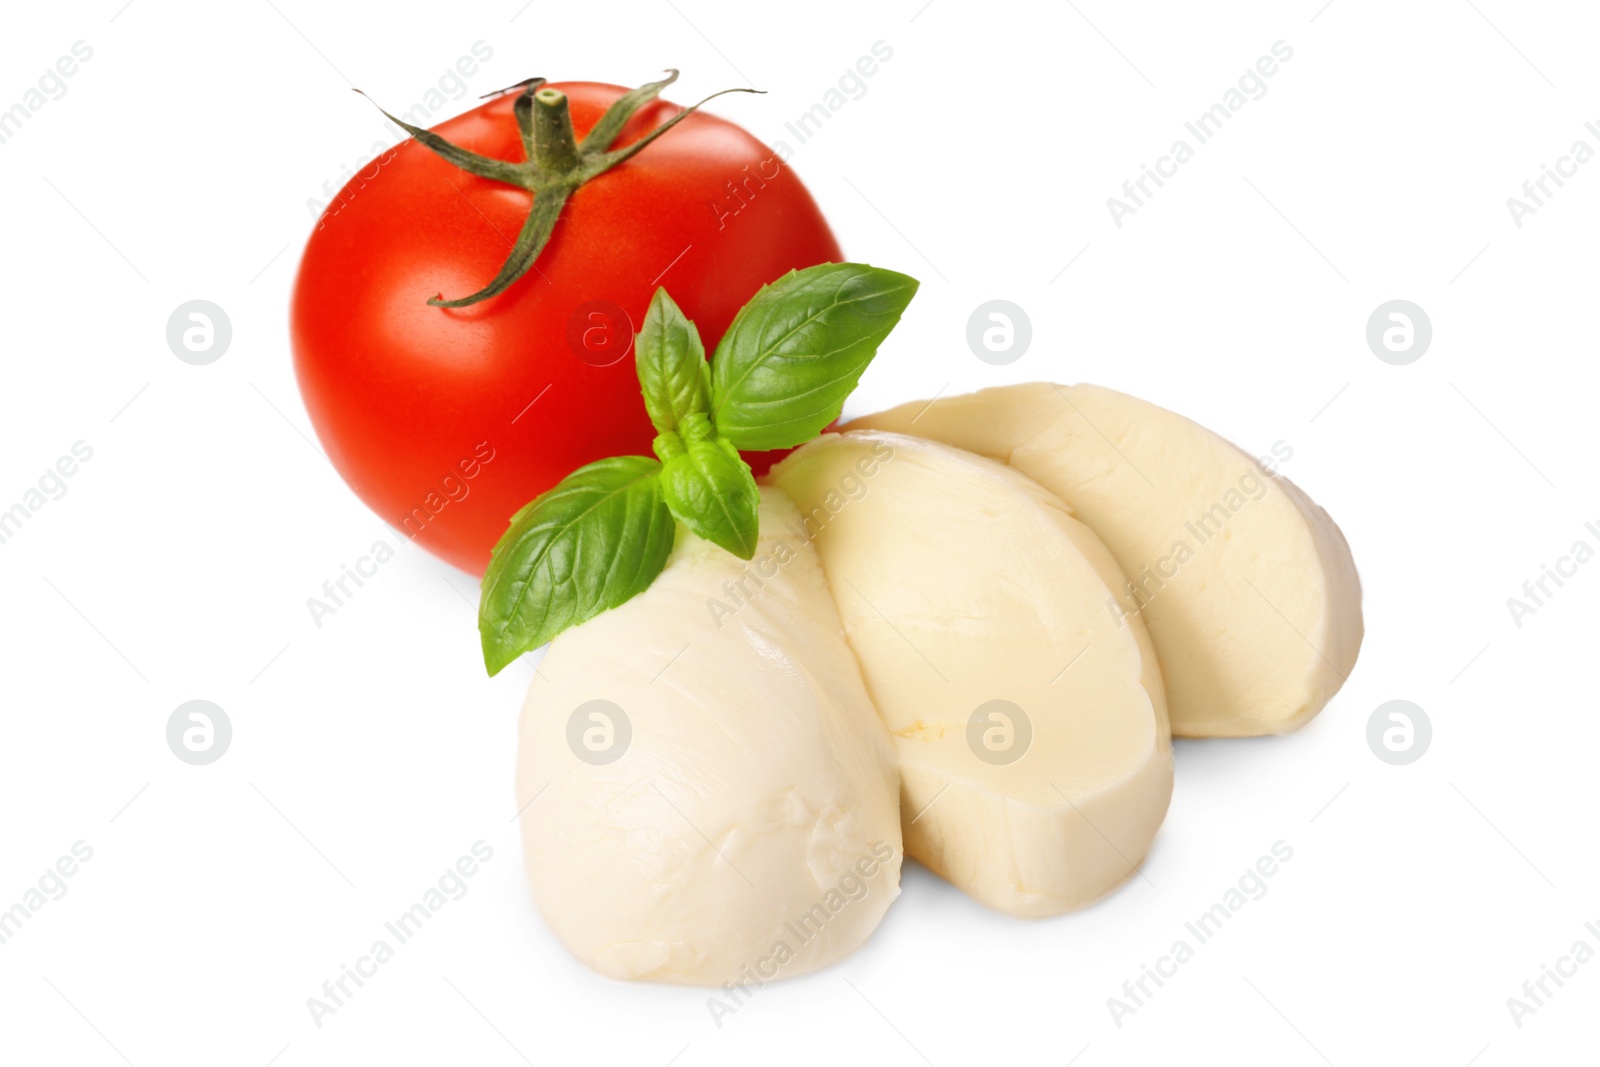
554	164
555	146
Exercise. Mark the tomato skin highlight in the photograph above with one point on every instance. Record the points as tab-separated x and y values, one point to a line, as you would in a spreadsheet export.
446	421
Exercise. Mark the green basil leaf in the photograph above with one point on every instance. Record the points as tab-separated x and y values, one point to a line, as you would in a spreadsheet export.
673	373
597	539
712	492
797	349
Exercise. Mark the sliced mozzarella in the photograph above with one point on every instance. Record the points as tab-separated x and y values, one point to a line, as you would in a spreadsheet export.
738	817
1247	587
1035	759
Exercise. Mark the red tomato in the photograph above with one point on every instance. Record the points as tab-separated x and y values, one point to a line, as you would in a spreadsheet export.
446	421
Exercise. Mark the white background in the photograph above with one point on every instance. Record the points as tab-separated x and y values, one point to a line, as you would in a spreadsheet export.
370	753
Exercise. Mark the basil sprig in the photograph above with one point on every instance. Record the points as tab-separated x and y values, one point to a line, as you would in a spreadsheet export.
780	375
707	486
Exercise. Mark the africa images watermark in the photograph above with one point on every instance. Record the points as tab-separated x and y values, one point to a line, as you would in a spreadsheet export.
51	85
452	488
1251	885
853	885
451	885
51	485
1140	588
739	192
1537	190
851	487
1536	592
51	885
1536	992
1202	128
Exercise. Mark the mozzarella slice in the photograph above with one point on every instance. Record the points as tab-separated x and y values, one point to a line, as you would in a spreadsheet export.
749	827
1247	587
1035	760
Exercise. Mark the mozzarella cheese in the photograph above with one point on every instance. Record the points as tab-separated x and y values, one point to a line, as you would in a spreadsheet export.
1035	760
1247	587
749	826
